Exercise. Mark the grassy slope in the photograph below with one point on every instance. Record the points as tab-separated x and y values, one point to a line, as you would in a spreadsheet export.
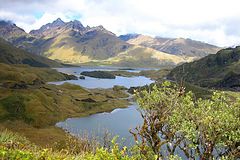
71	47
218	70
100	48
27	74
138	56
178	46
33	111
12	55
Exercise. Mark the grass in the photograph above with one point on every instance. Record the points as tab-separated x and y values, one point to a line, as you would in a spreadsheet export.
220	70
24	73
156	75
15	146
40	108
34	110
13	55
99	74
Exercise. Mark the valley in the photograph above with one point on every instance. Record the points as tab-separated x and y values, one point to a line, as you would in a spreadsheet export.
77	90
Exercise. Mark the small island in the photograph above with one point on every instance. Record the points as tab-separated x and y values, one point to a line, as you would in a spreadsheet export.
99	74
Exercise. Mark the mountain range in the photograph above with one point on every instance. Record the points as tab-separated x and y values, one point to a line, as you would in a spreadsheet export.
175	46
72	43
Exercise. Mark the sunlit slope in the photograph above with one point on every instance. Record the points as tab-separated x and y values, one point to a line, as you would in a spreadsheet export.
218	70
143	56
175	46
12	55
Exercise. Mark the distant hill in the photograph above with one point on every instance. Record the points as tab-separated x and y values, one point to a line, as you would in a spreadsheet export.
127	37
10	31
138	56
176	46
221	70
73	43
12	55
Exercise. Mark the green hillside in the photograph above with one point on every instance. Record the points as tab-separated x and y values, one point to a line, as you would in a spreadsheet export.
32	107
221	70
12	55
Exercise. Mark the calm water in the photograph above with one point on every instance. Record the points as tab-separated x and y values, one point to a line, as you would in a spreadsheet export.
117	122
90	82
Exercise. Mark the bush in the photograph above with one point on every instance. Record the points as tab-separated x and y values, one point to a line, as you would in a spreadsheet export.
15	106
200	128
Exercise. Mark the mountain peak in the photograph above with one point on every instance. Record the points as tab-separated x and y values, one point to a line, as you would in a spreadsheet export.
75	25
58	22
9	30
50	27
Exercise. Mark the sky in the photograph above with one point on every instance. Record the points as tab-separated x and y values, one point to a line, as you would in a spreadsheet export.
213	21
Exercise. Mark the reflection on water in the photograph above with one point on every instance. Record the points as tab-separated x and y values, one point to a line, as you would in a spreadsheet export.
118	122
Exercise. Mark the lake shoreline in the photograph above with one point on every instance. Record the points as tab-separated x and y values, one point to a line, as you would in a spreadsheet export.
55	103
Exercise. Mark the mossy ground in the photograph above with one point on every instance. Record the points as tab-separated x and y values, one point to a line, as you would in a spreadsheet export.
34	110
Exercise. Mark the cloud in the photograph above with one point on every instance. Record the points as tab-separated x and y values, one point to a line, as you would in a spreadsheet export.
214	21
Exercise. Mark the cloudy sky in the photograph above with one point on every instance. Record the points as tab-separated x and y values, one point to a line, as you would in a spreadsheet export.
213	21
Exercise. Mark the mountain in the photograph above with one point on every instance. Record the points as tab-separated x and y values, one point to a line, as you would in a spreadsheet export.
12	55
49	29
73	43
127	37
10	31
176	46
138	56
221	70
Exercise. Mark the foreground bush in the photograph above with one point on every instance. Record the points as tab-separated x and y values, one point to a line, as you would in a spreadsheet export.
177	122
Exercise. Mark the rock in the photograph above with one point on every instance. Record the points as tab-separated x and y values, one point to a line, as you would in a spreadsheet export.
90	100
82	77
70	77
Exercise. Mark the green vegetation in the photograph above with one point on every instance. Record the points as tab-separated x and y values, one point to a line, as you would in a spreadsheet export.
98	74
30	106
12	55
157	75
43	107
29	75
214	71
174	119
15	108
14	146
123	73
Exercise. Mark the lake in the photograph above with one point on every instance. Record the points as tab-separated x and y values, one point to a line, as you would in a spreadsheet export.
119	121
91	83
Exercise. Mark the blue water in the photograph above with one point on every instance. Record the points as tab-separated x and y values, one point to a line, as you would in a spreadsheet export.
119	121
90	82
